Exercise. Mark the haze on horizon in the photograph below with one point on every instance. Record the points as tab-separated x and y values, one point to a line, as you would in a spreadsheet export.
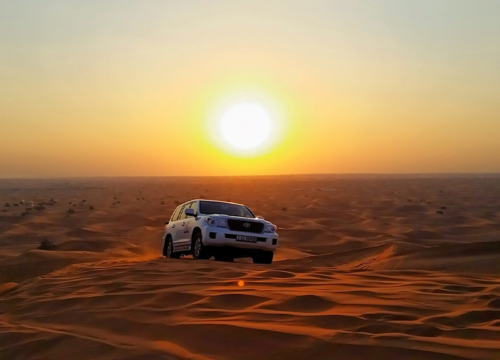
128	88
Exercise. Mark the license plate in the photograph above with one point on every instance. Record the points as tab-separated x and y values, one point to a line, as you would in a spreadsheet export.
246	238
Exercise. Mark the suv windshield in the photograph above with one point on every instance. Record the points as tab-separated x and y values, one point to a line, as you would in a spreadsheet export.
213	207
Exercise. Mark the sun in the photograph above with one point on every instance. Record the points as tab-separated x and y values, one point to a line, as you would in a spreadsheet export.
246	126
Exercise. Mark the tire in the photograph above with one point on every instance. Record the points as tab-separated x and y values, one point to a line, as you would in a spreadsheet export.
200	251
168	249
265	257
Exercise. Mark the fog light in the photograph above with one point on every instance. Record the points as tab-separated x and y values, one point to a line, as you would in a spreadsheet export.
275	241
212	235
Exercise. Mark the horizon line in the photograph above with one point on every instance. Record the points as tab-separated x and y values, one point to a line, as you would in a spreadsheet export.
260	175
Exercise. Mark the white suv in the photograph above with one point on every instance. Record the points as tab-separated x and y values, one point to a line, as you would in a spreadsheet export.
225	230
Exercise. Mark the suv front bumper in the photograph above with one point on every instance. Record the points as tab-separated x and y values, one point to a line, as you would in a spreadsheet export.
217	236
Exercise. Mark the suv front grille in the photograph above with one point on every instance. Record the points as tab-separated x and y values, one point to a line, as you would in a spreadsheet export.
246	226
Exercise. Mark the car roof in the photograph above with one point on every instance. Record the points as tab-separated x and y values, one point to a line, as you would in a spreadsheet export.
220	201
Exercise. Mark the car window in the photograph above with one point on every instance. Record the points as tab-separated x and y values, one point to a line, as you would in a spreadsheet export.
194	206
182	216
214	207
175	214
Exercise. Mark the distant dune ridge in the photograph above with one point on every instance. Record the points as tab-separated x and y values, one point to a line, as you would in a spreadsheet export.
367	267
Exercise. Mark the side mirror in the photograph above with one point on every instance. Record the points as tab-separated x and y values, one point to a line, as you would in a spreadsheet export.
166	222
260	217
189	212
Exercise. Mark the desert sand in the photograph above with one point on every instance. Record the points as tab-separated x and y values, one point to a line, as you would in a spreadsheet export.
369	267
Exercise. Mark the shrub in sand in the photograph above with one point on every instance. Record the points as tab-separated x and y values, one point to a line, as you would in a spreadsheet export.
440	212
7	205
162	203
46	244
91	208
71	211
284	209
176	202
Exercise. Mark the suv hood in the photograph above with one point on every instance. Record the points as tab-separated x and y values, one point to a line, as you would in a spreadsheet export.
223	216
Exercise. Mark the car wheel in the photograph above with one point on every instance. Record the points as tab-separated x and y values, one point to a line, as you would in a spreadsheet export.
265	257
168	249
199	250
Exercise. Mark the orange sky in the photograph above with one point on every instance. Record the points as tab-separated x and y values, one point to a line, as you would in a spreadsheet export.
131	87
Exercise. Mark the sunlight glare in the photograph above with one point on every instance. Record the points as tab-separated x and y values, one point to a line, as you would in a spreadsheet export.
245	125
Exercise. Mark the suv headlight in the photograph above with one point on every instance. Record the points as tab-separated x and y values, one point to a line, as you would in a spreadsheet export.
269	228
216	222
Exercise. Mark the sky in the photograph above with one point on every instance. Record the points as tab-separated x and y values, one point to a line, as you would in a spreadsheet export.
137	88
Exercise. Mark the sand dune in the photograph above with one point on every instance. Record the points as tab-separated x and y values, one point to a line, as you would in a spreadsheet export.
366	268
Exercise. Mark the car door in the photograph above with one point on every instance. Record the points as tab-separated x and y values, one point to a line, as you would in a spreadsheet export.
180	237
189	224
174	225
